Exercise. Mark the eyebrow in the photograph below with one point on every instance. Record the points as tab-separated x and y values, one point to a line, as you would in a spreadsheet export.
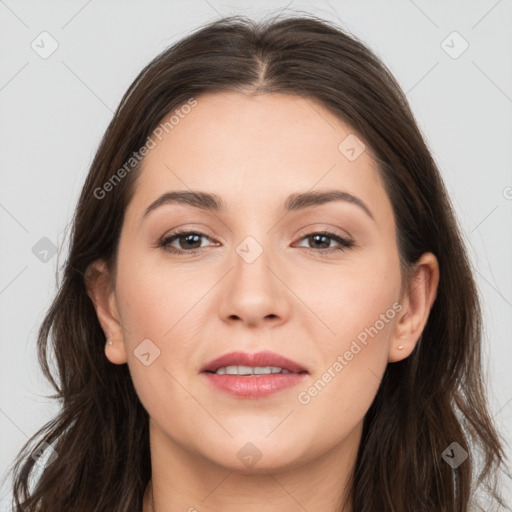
294	202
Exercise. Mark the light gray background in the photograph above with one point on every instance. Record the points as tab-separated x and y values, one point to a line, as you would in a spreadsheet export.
54	111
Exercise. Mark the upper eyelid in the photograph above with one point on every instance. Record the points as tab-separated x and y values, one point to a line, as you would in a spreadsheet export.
306	230
327	232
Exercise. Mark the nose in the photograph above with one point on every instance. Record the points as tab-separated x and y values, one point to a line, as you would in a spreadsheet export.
255	293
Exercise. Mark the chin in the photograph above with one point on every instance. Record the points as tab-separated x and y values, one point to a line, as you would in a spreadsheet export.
257	455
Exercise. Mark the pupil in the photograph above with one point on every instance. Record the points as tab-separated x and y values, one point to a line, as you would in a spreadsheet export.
189	238
317	237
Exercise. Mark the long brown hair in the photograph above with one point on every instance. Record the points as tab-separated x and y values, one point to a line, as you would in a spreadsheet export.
425	403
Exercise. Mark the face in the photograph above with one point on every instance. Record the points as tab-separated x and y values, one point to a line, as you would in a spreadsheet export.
317	283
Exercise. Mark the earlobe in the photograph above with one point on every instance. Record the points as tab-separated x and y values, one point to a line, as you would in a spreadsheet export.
101	292
417	304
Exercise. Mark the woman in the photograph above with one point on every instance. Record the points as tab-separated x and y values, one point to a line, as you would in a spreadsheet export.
267	303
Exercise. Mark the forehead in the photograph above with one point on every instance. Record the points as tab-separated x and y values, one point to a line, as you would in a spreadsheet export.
256	150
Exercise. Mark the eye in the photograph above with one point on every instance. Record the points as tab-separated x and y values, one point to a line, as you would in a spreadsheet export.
187	242
190	242
322	240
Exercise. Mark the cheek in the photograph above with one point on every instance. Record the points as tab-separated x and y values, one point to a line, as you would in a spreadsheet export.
153	297
149	308
159	303
344	385
359	307
354	296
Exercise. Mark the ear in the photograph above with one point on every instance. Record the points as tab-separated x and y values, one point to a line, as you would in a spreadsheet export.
101	291
416	305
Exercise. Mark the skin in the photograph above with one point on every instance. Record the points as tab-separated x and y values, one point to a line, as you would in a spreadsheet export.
254	152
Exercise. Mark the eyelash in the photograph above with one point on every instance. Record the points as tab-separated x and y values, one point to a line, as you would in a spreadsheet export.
345	243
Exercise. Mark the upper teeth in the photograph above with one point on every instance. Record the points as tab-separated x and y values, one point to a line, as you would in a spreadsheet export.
250	370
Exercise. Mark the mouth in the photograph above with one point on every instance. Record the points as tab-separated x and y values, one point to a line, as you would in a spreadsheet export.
258	363
253	376
251	370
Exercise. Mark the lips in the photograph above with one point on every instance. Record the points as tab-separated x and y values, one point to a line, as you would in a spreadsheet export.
257	359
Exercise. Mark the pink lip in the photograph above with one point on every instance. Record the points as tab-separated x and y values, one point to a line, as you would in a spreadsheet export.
257	386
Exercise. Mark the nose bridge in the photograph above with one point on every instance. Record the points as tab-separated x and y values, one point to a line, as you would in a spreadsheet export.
252	263
254	292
